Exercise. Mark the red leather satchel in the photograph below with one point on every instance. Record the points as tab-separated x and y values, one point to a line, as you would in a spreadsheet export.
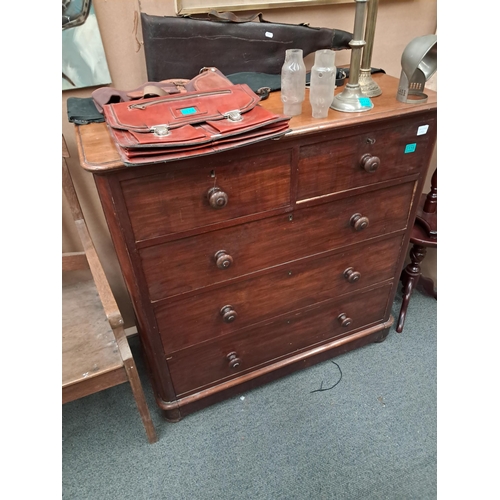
190	124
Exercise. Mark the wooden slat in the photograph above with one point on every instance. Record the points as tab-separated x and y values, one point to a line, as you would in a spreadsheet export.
107	298
70	193
65	152
200	6
131	332
72	261
85	387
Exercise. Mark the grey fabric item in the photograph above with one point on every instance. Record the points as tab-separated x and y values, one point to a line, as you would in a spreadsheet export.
372	437
82	110
263	83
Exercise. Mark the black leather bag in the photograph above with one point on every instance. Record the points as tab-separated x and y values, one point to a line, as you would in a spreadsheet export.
178	47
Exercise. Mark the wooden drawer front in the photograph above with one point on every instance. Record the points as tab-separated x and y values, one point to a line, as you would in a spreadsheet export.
337	165
176	199
207	363
183	323
189	264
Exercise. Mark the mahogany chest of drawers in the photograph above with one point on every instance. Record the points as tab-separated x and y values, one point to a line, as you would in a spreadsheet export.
246	265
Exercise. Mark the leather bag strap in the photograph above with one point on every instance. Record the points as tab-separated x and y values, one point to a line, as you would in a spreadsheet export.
233	18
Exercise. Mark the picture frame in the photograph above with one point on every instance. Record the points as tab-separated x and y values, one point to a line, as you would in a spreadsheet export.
186	7
84	61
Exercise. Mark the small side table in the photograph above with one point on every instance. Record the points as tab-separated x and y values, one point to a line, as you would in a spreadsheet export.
423	236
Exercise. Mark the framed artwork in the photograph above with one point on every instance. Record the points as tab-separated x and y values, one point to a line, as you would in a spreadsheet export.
83	60
199	6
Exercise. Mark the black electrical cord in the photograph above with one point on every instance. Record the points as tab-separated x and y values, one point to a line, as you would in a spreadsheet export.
336	383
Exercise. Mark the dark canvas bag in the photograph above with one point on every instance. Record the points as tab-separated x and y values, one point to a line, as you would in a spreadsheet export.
177	47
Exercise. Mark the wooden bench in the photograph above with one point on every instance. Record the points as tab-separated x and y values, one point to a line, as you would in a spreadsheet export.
95	350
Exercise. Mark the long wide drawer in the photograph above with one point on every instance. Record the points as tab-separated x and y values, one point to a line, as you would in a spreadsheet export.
213	313
369	157
184	197
227	357
191	263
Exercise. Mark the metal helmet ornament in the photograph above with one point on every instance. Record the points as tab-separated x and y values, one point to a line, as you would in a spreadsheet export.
418	63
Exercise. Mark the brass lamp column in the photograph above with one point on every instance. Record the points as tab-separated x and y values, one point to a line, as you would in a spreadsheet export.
352	99
368	86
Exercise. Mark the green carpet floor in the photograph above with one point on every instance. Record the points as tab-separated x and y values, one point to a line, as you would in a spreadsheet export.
373	436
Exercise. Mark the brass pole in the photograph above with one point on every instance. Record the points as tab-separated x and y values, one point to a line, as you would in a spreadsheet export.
357	43
352	99
368	86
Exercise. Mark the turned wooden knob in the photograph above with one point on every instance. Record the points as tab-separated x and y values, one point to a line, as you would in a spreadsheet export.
223	259
358	222
351	275
344	320
217	198
369	163
228	314
234	361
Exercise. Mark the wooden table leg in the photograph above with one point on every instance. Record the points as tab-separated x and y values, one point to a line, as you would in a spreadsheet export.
410	277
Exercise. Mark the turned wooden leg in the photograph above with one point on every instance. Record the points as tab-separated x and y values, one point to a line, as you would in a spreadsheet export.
410	277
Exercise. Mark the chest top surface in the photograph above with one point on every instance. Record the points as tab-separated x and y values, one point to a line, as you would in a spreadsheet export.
98	153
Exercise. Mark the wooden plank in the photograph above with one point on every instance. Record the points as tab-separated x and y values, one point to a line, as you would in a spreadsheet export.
86	387
72	261
200	6
70	193
88	342
131	332
65	152
105	293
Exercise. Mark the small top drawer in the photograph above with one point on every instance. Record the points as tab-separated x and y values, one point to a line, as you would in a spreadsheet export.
371	156
195	194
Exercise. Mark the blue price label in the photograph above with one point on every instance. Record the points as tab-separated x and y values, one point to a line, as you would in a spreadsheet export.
410	148
188	111
365	102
